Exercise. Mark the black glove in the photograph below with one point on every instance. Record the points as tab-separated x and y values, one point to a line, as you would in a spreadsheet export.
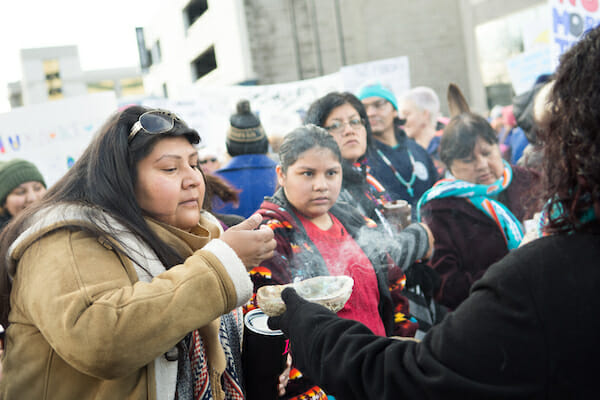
424	276
294	304
292	301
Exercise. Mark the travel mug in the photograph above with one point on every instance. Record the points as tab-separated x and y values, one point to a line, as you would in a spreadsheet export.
264	356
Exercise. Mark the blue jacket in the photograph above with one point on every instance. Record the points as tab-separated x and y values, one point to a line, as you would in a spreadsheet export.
426	173
255	176
517	142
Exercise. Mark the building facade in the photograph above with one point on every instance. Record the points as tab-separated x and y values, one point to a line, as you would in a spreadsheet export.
225	42
52	73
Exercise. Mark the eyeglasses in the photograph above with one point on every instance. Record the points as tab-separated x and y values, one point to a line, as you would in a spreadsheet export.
202	162
155	122
378	105
337	127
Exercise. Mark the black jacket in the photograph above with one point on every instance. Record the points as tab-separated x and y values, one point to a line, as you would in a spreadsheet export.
529	329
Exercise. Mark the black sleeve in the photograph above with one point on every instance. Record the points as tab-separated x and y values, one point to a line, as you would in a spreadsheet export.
492	346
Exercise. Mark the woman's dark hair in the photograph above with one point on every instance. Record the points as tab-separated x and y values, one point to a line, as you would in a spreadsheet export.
304	138
460	136
320	109
104	178
220	188
570	136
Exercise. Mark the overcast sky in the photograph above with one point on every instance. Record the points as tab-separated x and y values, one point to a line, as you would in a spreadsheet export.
104	32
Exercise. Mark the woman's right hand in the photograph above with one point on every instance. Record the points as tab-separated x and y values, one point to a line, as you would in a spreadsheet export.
250	244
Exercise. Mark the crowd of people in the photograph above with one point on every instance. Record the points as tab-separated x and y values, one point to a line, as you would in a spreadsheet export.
130	277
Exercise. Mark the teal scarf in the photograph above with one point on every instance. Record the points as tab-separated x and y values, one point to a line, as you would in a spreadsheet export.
479	196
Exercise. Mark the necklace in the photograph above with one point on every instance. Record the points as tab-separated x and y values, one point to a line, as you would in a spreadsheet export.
408	184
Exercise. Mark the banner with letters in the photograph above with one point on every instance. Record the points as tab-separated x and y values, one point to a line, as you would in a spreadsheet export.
280	107
54	134
526	67
569	20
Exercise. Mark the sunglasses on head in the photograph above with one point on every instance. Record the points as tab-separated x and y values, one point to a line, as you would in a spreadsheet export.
155	122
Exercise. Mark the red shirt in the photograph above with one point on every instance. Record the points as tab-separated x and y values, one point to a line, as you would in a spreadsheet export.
343	256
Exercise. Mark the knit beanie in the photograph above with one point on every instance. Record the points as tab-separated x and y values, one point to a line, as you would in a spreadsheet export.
246	134
15	172
377	90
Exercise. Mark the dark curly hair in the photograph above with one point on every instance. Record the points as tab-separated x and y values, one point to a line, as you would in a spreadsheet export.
570	134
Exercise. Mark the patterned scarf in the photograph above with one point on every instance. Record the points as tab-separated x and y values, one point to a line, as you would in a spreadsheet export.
375	190
194	378
479	196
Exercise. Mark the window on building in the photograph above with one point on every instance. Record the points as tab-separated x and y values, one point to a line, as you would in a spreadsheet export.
156	53
132	86
204	63
193	11
101	86
51	70
502	41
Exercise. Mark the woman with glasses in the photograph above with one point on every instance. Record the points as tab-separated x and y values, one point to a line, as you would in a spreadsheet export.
345	118
120	285
209	160
316	235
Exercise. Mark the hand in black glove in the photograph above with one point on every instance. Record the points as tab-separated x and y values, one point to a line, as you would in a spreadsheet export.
426	277
292	301
293	304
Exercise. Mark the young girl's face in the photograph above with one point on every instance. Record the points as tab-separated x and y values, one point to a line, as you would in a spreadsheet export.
313	183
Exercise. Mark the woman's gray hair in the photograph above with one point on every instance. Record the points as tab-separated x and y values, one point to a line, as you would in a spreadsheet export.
425	99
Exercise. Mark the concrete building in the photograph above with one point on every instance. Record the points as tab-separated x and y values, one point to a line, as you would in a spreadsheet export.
190	41
52	73
203	42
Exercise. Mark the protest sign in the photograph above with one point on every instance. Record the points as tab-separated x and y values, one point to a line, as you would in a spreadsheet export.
280	107
570	19
392	72
525	68
53	135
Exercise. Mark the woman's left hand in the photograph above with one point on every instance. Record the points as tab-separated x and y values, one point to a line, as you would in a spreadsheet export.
284	378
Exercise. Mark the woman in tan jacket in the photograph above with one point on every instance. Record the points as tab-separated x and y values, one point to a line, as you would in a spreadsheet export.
120	286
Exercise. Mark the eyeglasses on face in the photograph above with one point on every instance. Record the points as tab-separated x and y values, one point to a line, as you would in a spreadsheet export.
378	104
338	126
207	160
154	122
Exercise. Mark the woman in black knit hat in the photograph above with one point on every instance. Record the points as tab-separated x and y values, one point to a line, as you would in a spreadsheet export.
250	170
21	184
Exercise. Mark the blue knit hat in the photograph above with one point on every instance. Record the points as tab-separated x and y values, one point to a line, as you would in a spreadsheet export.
15	172
377	90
